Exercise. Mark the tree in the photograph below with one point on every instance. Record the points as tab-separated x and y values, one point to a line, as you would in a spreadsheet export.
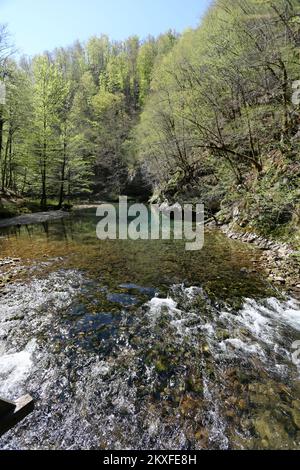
17	122
224	91
49	92
5	52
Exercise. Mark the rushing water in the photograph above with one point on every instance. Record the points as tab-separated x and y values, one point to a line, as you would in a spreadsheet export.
142	345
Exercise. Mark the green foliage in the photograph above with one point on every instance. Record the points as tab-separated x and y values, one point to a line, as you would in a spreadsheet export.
205	116
221	107
69	114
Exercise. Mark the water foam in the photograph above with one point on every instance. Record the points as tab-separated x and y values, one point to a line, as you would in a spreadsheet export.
15	368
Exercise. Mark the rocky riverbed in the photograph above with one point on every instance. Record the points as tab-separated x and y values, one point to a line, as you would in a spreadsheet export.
10	268
280	261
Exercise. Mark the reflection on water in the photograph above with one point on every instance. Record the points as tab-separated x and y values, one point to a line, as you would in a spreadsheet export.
151	263
143	345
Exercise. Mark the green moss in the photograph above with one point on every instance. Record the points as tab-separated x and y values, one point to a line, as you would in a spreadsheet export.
161	366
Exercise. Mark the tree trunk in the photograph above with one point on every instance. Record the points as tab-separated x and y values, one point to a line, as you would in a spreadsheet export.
44	173
1	138
63	172
44	190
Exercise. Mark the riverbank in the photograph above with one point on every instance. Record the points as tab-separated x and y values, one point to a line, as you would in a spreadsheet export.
13	205
280	261
36	218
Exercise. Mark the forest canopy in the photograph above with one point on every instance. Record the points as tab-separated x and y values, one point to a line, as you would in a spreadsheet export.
68	114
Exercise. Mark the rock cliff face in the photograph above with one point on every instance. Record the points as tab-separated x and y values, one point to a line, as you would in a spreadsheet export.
138	186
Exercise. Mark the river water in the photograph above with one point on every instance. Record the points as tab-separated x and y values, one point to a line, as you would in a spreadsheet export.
143	345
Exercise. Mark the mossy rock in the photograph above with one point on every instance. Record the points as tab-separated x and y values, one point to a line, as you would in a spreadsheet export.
296	413
270	431
223	335
194	385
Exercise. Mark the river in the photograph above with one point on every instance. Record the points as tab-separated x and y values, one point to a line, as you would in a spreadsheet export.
143	345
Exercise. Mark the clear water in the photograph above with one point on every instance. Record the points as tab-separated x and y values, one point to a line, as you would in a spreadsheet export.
142	345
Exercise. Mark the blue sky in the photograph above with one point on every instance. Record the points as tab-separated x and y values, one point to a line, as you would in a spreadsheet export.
39	25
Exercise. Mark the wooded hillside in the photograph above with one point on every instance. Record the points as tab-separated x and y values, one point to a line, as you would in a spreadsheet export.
221	124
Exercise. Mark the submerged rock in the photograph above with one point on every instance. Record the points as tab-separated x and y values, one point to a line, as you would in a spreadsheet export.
271	432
